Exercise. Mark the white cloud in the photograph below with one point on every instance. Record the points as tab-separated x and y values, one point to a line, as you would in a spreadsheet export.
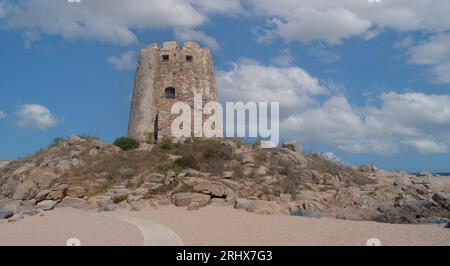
251	81
392	123
285	59
217	6
2	114
124	61
111	20
193	35
426	146
334	21
103	20
435	53
35	116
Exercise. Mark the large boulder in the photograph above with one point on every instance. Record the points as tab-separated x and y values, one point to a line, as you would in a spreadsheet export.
215	190
26	190
3	164
6	214
46	205
73	202
42	195
186	198
443	199
306	213
57	193
261	207
76	191
294	146
43	177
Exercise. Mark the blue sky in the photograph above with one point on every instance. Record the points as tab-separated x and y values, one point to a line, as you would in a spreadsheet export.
368	82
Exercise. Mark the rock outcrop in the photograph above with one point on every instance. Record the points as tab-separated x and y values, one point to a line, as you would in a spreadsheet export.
88	174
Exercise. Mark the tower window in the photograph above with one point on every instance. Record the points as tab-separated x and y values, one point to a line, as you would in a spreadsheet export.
165	58
170	93
189	58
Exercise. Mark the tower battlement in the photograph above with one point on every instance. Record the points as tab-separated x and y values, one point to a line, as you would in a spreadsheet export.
166	75
168	46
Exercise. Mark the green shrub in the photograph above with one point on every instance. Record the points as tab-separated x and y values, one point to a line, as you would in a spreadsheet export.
216	154
126	143
119	199
187	161
130	184
166	143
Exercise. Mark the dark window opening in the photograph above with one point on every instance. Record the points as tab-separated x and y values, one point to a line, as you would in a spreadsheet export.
189	58
156	129
165	57
170	93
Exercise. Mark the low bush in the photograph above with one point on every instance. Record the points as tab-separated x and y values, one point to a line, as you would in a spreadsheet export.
216	154
126	143
119	199
187	161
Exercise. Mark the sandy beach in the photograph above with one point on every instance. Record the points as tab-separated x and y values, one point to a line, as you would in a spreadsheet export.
208	226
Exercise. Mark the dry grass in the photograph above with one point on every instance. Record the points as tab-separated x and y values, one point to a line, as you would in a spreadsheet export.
346	174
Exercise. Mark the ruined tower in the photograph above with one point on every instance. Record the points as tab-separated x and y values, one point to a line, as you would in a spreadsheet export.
165	76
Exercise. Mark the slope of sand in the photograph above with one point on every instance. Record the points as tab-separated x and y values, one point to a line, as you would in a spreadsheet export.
57	226
209	226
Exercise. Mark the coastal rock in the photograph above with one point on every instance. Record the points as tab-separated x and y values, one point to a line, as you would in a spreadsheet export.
73	202
227	174
42	195
186	198
46	205
369	168
261	207
6	214
154	178
63	166
443	200
4	164
247	159
306	213
26	190
76	191
169	177
75	140
57	193
139	205
294	146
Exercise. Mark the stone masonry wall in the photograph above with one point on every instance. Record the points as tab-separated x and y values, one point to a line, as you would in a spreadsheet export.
154	75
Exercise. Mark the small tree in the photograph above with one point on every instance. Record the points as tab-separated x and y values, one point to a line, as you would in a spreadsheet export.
126	143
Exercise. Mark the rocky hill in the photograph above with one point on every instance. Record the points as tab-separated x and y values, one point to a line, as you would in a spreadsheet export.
86	173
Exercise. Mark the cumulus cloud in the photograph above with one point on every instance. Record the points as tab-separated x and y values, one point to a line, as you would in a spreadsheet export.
124	61
110	20
35	116
2	114
193	35
217	6
435	53
103	20
334	21
249	80
392	123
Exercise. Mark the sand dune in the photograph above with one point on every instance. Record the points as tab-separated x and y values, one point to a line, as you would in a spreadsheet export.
209	226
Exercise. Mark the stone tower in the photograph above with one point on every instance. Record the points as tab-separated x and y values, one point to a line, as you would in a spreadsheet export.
165	76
